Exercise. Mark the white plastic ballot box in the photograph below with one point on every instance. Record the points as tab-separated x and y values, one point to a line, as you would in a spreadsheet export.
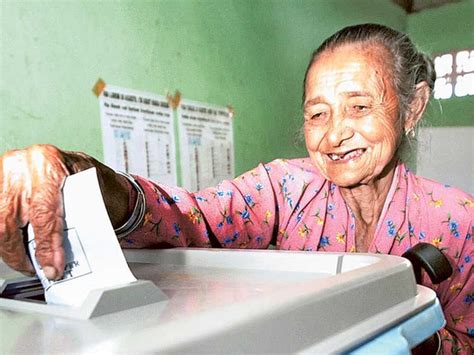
230	301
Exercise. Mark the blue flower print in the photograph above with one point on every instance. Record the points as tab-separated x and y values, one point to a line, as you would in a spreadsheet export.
469	298
267	168
201	199
299	216
467	259
324	241
330	207
468	236
259	186
470	331
177	228
229	193
249	200
422	236
461	268
245	215
227	241
453	225
176	198
391	228
220	193
229	220
167	200
411	229
235	236
220	225
259	239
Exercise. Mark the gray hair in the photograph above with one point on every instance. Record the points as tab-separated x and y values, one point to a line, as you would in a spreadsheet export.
409	66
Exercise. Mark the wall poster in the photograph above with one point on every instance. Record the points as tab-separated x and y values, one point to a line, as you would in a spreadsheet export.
138	133
206	144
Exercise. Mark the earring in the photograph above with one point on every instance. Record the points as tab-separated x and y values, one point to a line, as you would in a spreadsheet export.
410	132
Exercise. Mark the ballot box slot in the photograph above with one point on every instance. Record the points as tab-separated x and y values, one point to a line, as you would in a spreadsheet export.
24	289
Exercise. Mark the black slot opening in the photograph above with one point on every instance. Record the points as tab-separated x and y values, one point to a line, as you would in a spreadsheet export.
24	290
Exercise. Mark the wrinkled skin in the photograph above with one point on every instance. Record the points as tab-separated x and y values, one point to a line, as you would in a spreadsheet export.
30	182
351	106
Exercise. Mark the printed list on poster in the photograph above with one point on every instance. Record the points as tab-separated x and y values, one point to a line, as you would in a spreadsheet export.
206	144
138	134
139	138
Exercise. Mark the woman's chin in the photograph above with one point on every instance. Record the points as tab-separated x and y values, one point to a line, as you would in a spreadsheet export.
347	182
348	178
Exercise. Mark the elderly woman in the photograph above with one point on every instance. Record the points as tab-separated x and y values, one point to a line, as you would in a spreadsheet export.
365	90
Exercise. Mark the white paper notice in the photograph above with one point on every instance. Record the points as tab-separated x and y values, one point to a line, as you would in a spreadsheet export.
138	133
94	258
206	144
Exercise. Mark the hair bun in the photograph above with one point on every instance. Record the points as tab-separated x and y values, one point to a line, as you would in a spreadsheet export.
426	70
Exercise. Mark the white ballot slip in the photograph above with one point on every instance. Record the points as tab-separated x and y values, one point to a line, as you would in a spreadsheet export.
94	258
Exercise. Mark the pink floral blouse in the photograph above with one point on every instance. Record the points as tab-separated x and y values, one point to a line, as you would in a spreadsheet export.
290	204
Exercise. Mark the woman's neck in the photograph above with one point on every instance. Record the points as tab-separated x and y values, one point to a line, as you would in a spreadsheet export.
366	203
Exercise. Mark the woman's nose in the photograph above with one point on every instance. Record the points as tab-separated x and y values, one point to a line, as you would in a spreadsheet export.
339	131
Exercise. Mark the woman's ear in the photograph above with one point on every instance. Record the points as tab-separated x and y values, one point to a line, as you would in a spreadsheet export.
417	105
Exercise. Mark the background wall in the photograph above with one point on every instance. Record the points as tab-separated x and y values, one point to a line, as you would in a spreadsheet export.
251	54
450	27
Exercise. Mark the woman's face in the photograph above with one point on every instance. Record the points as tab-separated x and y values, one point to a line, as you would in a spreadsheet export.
352	129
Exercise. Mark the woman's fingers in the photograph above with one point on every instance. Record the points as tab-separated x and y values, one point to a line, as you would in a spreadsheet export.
12	249
14	198
46	218
46	208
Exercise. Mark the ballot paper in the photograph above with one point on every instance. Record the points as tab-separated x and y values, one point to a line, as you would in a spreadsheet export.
94	258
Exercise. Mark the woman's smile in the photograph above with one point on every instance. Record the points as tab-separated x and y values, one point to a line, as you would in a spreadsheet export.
346	156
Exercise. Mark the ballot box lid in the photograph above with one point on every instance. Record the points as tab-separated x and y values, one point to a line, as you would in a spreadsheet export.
224	301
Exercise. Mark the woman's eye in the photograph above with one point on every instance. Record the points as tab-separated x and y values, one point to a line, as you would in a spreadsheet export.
318	116
360	108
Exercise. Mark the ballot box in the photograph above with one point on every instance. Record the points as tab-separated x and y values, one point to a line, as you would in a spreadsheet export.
230	301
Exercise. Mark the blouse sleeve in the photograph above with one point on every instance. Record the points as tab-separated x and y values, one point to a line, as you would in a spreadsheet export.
239	213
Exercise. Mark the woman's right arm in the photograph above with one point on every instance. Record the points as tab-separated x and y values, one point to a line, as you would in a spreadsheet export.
238	213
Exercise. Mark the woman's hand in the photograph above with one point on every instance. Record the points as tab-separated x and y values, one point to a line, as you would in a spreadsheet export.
30	186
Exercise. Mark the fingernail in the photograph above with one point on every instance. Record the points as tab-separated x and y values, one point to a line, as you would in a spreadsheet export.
49	272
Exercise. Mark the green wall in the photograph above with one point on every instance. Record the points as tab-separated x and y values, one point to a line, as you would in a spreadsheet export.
251	54
450	27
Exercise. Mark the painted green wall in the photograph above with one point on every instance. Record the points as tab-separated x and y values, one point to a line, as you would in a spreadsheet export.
251	54
450	27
